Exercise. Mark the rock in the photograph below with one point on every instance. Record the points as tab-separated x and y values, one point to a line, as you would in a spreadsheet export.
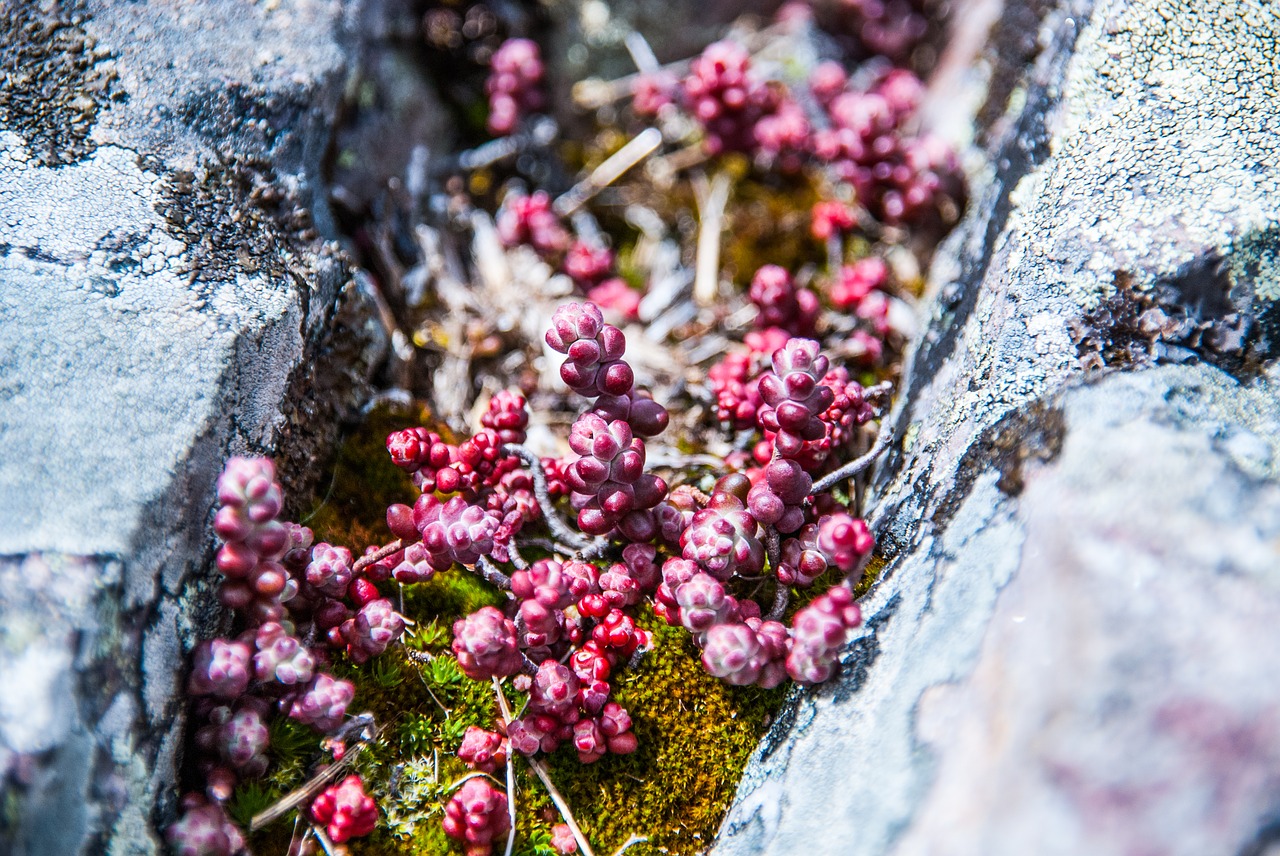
164	288
1070	650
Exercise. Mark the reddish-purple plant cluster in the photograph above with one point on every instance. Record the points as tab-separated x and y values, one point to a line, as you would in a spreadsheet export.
204	830
345	810
285	590
529	219
483	750
612	536
514	86
898	176
885	28
476	816
569	625
860	135
723	93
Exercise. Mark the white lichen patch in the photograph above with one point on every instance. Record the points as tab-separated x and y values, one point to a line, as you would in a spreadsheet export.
106	337
1142	164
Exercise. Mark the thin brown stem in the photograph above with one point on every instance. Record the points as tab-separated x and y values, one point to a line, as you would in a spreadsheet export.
557	526
773	547
490	574
377	556
781	597
857	465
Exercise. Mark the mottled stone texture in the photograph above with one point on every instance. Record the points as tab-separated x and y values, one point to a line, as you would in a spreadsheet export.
1072	649
163	289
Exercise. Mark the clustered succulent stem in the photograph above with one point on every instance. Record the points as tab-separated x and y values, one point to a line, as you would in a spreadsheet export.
549	512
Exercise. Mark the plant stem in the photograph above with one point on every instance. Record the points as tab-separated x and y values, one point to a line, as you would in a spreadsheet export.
557	526
511	800
595	550
377	556
857	465
558	799
505	711
773	547
781	597
637	149
514	553
491	574
633	840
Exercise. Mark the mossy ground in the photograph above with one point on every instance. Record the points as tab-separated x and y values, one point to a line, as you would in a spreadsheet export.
695	732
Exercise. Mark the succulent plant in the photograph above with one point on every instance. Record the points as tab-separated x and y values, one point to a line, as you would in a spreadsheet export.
222	669
281	657
723	94
375	626
750	652
204	830
569	626
477	816
514	84
345	810
323	703
723	537
486	645
818	633
482	750
781	304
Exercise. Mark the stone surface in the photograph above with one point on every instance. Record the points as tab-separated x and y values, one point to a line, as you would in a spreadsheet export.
1070	650
163	288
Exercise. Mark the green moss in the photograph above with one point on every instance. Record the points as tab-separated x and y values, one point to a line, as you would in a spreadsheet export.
695	736
249	799
768	223
352	509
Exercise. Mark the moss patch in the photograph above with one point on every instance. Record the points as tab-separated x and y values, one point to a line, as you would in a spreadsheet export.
695	735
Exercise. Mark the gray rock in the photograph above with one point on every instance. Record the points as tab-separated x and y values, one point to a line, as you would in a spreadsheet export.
1072	647
163	289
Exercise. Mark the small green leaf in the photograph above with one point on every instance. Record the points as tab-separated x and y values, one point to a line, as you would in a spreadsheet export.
387	673
248	799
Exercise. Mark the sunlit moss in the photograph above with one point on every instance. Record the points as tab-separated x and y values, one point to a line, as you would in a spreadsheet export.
695	734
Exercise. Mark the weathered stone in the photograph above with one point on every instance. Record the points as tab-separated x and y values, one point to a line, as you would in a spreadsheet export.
163	288
1070	648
